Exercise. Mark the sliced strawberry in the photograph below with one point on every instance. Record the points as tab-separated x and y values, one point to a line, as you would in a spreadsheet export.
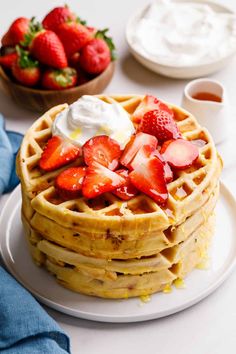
169	176
160	123
69	182
149	178
99	180
142	155
168	173
127	191
58	152
102	149
134	145
179	153
148	103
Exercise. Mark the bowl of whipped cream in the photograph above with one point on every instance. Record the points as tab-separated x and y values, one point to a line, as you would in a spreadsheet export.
181	38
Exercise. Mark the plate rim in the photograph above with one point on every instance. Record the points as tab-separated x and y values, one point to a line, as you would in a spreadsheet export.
100	317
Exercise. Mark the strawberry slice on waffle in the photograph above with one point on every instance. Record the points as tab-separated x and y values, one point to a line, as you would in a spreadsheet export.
58	152
99	179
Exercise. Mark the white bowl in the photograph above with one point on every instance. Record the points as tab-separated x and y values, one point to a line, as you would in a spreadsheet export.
180	72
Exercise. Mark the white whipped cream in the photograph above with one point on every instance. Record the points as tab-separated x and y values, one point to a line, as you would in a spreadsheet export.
90	116
184	33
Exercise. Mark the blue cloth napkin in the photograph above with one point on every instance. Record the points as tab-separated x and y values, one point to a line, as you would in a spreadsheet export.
25	328
9	145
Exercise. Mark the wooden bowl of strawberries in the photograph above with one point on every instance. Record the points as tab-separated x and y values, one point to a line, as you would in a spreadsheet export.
56	61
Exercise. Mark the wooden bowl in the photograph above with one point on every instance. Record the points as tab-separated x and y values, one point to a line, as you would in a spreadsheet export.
42	100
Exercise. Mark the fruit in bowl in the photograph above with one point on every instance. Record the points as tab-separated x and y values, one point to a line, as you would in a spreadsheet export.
58	54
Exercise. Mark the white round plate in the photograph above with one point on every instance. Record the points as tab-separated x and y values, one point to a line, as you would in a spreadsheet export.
174	71
43	286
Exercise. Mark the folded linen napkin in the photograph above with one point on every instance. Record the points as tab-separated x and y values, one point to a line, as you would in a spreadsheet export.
25	328
9	145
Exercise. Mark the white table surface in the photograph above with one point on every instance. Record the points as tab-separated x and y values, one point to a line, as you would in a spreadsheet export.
206	328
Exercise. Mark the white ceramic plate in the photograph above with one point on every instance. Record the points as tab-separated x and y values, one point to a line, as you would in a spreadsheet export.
180	72
199	283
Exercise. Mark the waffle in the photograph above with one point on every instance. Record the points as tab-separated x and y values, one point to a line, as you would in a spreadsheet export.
110	230
128	246
116	278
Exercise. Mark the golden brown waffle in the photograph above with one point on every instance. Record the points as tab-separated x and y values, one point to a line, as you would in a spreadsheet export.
128	246
184	193
134	277
107	228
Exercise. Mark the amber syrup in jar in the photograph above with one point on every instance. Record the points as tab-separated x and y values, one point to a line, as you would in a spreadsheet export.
207	96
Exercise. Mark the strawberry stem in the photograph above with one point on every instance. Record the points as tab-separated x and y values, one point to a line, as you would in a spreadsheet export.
103	35
34	27
82	22
25	61
64	76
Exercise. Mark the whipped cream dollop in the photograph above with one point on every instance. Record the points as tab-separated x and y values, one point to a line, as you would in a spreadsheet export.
89	116
184	33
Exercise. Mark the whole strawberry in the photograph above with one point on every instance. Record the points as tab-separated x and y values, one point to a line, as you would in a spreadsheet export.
16	32
26	70
8	60
160	123
74	60
148	103
73	36
57	16
59	79
95	56
48	49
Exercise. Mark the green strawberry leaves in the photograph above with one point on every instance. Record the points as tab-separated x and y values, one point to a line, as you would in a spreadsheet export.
64	76
34	27
103	35
25	61
82	22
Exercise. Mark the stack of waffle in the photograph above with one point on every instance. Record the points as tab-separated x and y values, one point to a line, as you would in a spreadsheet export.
111	248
